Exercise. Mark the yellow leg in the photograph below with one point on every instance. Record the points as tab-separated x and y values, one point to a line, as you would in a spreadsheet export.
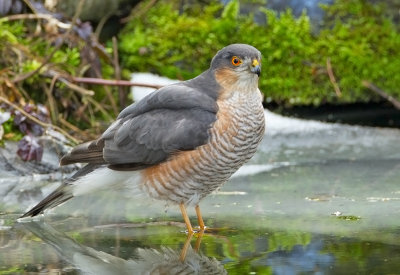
200	218
185	247
198	241
186	218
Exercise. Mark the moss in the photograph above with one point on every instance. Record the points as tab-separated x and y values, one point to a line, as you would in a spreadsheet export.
358	37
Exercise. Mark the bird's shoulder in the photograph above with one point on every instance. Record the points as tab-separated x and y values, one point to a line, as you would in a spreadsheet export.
178	96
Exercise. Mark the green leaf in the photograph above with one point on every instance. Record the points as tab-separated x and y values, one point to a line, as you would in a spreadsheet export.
231	10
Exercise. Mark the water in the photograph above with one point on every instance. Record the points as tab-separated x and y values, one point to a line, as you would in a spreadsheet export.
316	199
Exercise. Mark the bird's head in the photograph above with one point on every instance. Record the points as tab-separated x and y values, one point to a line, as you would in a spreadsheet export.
237	65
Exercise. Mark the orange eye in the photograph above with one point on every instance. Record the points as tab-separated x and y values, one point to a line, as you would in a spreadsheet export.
236	61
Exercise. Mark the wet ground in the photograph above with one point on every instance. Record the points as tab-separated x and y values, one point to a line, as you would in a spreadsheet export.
316	199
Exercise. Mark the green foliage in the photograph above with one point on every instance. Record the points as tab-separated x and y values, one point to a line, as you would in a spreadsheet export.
69	59
9	35
285	44
36	47
11	270
27	45
174	45
358	37
363	44
11	132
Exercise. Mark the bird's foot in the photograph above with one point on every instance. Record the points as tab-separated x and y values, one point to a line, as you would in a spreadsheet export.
200	229
187	243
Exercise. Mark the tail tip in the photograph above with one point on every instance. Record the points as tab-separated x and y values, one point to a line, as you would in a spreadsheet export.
27	217
33	212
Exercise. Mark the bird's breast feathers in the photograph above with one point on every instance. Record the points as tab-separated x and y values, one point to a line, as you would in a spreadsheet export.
190	175
232	82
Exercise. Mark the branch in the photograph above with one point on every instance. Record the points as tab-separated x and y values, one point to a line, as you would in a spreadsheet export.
372	87
34	119
50	56
117	70
137	12
44	63
111	82
70	126
38	16
101	24
72	86
332	77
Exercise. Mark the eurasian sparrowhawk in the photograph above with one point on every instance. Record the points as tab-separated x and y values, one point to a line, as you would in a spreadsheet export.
179	143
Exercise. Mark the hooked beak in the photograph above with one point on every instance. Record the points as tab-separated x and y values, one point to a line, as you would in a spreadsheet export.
256	67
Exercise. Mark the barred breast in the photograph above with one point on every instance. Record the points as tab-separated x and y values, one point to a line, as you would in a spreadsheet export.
191	175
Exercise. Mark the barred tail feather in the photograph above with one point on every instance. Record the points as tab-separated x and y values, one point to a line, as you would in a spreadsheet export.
89	178
57	197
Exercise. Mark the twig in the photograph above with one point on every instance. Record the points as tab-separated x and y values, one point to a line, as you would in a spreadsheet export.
30	6
51	101
117	71
109	95
12	87
139	11
63	79
112	82
101	24
332	77
69	125
77	88
41	123
98	107
50	56
372	87
38	16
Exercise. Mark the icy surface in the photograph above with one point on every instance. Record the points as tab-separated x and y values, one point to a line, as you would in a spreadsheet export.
316	198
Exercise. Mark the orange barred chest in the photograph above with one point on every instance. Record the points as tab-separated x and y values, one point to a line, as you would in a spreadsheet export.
191	175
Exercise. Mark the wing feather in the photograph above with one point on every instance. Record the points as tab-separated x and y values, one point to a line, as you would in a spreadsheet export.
89	152
174	118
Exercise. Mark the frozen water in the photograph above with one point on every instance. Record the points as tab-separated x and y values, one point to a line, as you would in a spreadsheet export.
316	198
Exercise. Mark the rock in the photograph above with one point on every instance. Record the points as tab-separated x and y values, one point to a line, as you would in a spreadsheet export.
12	165
24	183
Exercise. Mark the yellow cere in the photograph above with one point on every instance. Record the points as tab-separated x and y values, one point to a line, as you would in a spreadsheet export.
255	62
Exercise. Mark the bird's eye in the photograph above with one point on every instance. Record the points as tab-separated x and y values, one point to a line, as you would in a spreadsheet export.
236	61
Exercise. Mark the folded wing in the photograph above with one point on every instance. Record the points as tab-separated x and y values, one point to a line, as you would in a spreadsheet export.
174	118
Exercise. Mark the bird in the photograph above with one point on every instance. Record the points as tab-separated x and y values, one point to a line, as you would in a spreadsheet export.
179	143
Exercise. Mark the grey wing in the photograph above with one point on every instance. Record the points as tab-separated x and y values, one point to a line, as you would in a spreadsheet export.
88	152
174	118
152	137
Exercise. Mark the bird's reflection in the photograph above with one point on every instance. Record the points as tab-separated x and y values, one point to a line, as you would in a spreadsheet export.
150	261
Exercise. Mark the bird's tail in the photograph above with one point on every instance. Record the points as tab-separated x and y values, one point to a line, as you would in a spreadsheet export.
57	197
61	194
